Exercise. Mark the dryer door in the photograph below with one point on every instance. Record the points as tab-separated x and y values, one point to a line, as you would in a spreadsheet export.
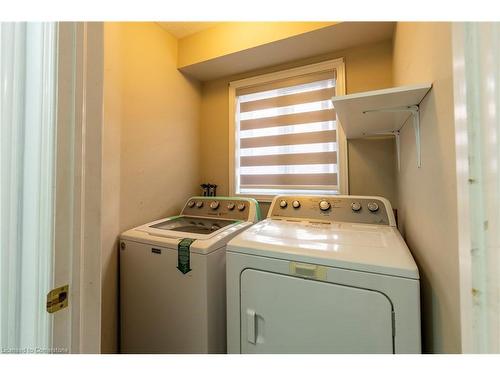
287	314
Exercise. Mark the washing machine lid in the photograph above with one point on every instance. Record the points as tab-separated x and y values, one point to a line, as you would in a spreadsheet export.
362	247
209	233
189	224
195	227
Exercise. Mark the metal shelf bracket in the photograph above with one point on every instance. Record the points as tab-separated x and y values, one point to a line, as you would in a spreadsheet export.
414	111
398	147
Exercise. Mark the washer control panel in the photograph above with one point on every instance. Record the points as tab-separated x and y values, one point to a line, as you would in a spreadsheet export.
222	207
341	208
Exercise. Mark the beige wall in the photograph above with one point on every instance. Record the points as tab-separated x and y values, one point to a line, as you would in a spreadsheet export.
150	150
163	135
427	196
368	67
372	167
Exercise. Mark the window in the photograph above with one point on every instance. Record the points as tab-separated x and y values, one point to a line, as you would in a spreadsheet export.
286	137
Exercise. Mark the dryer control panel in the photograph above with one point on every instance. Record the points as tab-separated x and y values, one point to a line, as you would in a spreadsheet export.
339	208
232	208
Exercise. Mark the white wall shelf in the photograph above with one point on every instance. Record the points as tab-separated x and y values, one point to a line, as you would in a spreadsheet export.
381	112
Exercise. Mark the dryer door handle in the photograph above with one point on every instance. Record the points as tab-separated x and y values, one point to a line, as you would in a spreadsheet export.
251	326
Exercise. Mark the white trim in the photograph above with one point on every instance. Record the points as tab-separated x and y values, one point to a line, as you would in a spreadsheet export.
283	74
78	186
477	122
340	89
342	148
61	335
233	138
463	194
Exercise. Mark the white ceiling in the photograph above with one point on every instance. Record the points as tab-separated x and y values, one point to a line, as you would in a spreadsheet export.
183	29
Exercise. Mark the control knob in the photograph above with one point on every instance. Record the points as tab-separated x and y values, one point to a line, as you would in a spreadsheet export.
199	204
296	204
356	206
191	204
283	204
241	207
324	205
373	207
214	205
230	206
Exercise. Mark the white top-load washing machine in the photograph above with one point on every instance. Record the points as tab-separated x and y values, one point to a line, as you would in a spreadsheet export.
323	275
172	277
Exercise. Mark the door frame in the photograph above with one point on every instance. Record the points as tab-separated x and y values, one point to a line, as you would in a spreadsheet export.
463	194
78	186
476	104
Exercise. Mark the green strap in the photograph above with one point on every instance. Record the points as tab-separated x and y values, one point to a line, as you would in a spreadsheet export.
183	261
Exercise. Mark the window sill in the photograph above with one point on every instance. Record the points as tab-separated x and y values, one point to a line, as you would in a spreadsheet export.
269	198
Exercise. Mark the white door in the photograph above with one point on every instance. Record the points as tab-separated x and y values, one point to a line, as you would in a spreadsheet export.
50	187
27	152
286	314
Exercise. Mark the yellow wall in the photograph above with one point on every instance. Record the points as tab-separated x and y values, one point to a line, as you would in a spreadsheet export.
367	68
164	134
150	150
231	37
427	196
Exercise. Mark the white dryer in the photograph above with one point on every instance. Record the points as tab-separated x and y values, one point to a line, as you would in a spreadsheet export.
172	277
323	275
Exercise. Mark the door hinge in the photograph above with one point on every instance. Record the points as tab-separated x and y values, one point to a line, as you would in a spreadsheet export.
57	299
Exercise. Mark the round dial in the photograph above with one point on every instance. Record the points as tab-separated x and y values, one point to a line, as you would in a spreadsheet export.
356	206
295	204
373	207
324	205
230	206
191	204
283	204
241	207
214	205
199	204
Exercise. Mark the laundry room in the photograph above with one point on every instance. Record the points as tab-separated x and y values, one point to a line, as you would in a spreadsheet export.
249	187
167	130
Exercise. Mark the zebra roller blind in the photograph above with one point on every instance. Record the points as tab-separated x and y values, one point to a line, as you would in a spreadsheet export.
286	135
